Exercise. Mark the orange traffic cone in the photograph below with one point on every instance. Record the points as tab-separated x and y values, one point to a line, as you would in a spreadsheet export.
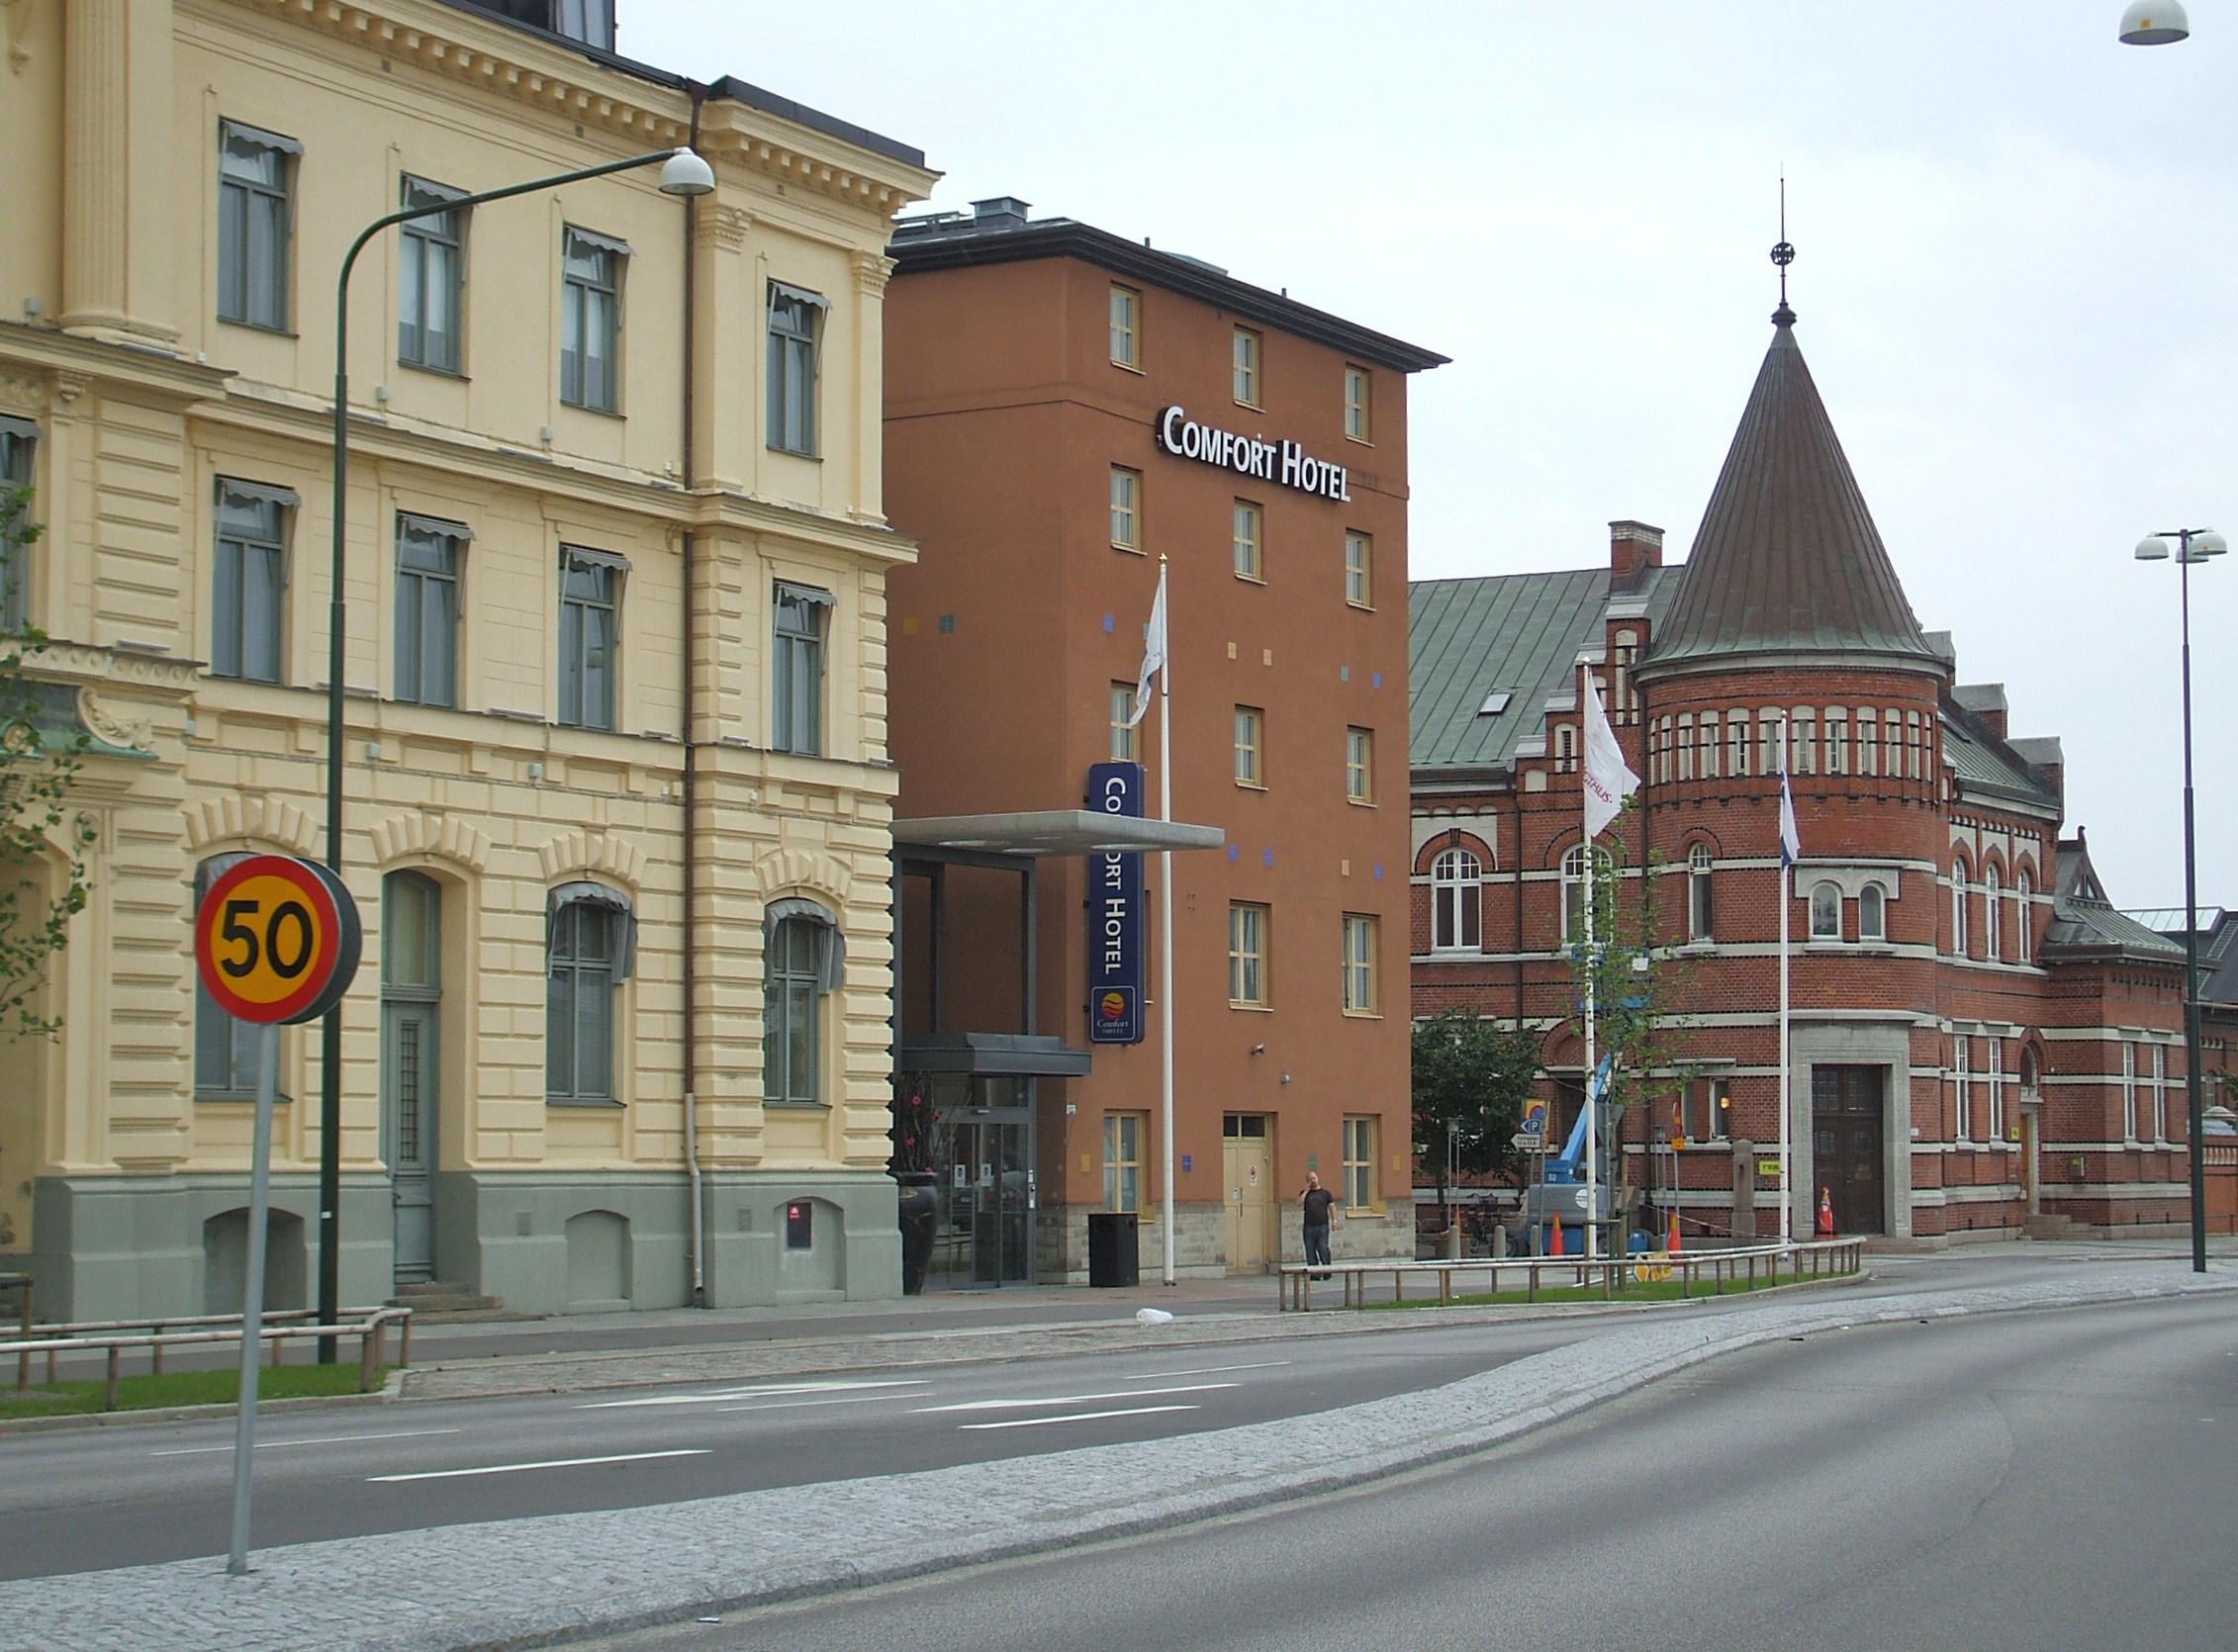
1673	1245
1555	1244
1827	1212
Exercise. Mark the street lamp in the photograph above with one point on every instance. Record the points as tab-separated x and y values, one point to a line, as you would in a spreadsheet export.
2154	23
683	173
2193	544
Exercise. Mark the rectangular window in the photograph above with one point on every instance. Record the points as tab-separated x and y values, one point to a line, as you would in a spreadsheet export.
1916	739
796	320
1250	736
796	667
1248	926
1359	765
1868	741
1359	1164
1360	569
1126	344
1838	741
1711	748
254	221
1806	758
792	994
1737	745
2159	1094
1356	391
1126	508
249	581
1960	1058
1123	724
1247	367
2128	1092
590	635
590	269
1709	1105
432	251
587	21
18	437
1686	745
1996	1131
1359	963
1770	728
1892	729
579	1004
1123	1135
1245	534
428	554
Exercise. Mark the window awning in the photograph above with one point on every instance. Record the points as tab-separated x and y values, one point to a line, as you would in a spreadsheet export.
586	893
830	952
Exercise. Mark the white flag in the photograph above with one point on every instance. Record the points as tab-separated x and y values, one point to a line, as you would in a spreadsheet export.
1154	651
1791	846
1608	781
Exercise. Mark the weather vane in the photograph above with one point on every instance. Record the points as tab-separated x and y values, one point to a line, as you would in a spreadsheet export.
1783	256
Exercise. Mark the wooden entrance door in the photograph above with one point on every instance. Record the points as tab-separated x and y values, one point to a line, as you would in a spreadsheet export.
1247	1176
1847	1104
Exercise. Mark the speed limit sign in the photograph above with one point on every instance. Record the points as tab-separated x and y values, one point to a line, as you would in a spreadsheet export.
277	940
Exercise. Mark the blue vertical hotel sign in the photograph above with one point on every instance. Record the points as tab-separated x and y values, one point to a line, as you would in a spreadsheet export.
1115	914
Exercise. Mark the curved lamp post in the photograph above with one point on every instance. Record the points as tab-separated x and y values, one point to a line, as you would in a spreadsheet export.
2193	544
682	172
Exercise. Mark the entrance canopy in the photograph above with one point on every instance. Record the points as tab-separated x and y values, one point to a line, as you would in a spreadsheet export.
1039	832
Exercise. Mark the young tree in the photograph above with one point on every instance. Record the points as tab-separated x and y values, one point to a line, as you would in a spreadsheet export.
1471	1078
37	766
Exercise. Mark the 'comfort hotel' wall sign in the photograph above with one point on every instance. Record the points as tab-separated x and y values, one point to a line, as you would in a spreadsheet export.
1283	462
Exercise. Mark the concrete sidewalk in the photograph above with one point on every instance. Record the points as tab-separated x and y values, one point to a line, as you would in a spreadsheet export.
557	1577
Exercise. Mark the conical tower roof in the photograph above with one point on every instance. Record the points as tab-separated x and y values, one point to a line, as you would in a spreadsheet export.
1787	562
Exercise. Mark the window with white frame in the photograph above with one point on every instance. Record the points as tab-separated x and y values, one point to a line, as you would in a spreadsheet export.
1868	741
1711	745
1686	745
1825	911
1250	742
428	557
1705	1107
590	635
431	270
2023	918
796	322
1358	388
1246	533
255	212
19	439
1360	931
1872	913
590	269
2129	1092
1958	907
1805	759
1996	1130
1248	925
1837	740
2159	1094
1123	1136
1992	913
1700	894
1737	744
1961	1058
1574	886
1123	722
1892	744
1126	342
1359	1164
250	580
1457	899
1126	508
1360	569
801	963
1771	729
1247	367
1359	765
796	670
590	942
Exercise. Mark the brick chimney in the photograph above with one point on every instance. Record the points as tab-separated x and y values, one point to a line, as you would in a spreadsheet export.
1633	547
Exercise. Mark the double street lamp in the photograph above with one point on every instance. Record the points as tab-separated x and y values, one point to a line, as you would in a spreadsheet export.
683	173
2192	545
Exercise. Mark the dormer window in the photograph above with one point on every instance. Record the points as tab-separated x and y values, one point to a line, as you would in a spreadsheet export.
1495	703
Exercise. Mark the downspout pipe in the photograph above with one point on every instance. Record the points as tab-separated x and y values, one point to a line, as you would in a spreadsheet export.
695	1242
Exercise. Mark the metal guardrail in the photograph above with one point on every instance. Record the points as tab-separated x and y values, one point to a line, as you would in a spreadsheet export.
1816	1259
113	1337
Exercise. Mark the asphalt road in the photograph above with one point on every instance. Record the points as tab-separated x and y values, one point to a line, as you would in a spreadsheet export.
2020	1481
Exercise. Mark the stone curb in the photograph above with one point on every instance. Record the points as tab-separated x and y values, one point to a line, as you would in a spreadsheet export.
555	1578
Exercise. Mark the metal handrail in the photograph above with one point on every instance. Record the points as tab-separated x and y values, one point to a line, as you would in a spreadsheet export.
369	1325
1296	1279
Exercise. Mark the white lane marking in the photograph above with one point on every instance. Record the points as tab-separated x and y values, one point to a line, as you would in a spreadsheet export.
1074	1399
1204	1371
1072	1417
323	1439
790	1405
757	1390
523	1468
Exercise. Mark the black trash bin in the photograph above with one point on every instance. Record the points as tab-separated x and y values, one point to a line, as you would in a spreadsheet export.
1114	1251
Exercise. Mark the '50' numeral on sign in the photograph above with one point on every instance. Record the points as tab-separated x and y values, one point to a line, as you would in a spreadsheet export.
289	927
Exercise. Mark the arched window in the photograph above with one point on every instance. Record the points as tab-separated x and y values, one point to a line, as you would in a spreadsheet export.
1825	911
1996	1130
801	959
224	1050
1457	899
1960	1060
2023	919
1992	913
1573	889
590	946
1958	907
1701	904
1872	911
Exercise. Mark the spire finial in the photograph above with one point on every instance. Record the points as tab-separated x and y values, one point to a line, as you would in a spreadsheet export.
1783	256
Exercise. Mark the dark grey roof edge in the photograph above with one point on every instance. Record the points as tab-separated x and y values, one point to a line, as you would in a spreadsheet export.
724	87
2043	795
1783	656
956	246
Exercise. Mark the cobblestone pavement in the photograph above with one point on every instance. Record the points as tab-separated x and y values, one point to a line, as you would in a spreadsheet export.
557	1575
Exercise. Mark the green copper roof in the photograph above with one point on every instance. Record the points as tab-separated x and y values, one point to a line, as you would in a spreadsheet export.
1787	560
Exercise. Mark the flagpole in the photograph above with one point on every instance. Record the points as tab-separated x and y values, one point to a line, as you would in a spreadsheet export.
1592	1007
1787	1193
1165	923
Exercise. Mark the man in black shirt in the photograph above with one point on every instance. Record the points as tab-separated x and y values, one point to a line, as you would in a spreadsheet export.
1316	1205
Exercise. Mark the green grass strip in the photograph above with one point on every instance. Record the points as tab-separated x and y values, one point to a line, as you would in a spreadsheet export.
146	1392
1667	1290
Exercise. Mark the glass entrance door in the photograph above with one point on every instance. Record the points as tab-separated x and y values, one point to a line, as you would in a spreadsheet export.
982	1156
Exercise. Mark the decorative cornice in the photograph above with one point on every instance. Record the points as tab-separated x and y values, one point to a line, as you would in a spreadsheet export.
431	837
594	851
83	663
799	868
220	821
871	272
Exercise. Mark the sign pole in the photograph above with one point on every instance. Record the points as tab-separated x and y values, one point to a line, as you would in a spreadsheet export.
253	1295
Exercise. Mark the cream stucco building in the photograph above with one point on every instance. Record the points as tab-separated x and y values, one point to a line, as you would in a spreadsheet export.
617	793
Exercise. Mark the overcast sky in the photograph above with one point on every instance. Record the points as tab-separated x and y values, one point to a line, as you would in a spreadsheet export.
2016	274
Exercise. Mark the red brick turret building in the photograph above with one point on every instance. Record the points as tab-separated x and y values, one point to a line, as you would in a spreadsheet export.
1977	1037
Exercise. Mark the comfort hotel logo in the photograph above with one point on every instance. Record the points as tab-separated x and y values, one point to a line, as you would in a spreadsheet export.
1283	462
